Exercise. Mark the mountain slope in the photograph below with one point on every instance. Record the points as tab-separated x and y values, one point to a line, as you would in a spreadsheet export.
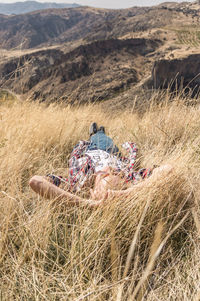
88	54
19	8
88	73
56	26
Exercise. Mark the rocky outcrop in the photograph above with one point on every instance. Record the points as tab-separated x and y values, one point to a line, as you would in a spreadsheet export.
88	73
177	73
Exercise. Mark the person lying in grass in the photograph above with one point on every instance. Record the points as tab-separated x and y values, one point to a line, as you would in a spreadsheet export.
96	164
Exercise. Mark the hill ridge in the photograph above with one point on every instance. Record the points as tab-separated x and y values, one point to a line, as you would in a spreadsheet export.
20	7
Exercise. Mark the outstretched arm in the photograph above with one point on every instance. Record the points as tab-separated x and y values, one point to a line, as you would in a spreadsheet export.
44	188
157	174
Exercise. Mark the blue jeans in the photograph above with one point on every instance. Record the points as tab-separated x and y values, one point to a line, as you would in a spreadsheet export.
103	142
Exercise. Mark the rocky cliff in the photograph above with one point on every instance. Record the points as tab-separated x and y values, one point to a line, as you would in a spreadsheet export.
88	73
177	73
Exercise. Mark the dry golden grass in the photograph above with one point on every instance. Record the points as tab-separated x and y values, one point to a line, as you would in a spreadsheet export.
49	251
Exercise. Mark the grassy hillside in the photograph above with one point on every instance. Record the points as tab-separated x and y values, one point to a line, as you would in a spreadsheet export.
49	251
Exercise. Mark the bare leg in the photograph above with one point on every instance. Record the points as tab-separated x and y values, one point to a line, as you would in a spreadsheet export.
158	173
44	188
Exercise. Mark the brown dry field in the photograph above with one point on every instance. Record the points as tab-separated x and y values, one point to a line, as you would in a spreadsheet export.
144	247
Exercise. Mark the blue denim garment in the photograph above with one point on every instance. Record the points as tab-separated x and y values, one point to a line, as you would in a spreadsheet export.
103	142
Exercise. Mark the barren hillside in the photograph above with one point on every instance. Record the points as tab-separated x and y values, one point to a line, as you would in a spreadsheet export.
76	55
